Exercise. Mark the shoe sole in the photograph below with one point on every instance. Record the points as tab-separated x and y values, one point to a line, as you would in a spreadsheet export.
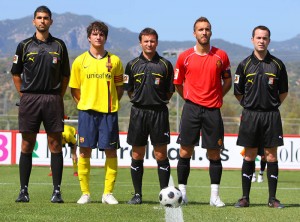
22	201
83	202
214	205
271	206
135	203
105	202
240	206
57	201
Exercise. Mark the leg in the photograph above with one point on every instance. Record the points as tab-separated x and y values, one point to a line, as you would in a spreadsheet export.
263	164
137	171
111	170
57	163
215	173
54	142
247	172
74	159
163	165
84	168
272	174
25	165
183	169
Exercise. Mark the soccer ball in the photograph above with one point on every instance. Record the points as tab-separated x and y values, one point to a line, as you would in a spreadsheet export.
170	197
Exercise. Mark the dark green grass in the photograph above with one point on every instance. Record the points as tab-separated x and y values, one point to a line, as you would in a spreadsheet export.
41	209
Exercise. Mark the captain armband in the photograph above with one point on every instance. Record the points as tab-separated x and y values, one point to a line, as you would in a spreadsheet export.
226	74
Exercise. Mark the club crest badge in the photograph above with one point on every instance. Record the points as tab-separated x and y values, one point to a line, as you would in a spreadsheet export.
219	64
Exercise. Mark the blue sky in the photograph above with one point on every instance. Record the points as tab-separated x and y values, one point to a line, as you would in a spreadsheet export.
232	20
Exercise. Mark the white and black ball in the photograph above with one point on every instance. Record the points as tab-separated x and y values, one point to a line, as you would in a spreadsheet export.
170	197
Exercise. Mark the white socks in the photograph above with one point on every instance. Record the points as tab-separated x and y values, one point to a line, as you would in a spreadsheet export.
214	190
182	188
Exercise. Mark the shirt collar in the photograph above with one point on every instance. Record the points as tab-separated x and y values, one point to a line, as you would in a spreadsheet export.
49	39
155	58
255	60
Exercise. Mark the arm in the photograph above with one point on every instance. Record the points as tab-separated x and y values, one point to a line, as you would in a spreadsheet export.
64	85
18	82
239	97
282	96
120	91
179	89
74	154
239	83
169	95
75	94
226	86
129	94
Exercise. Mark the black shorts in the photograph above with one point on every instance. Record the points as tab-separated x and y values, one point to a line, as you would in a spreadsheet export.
195	118
37	108
261	151
145	122
260	129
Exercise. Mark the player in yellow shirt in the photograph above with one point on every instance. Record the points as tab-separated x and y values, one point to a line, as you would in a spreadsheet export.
97	86
69	137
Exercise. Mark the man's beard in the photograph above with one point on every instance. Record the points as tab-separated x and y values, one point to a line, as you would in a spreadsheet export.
42	30
203	43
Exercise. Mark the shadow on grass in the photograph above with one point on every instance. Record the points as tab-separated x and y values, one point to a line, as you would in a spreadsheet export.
192	203
262	205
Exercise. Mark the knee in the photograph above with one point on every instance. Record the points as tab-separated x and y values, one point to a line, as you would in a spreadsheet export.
271	155
186	152
137	156
161	156
214	154
85	152
272	158
55	148
111	153
138	153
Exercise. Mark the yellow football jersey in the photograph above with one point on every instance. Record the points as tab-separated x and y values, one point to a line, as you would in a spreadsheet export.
97	80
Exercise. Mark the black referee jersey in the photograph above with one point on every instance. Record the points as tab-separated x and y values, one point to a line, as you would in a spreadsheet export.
150	81
43	64
260	82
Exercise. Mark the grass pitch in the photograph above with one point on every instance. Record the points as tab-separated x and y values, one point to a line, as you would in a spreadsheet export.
41	209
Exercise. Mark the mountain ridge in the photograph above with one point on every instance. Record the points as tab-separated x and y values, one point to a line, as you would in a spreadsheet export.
72	29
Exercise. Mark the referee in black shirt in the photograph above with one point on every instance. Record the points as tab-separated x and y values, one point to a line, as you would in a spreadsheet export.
44	64
261	85
149	84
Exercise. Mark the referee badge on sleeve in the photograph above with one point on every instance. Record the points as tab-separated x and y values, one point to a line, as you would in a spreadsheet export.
54	60
15	59
176	73
236	78
125	78
157	81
